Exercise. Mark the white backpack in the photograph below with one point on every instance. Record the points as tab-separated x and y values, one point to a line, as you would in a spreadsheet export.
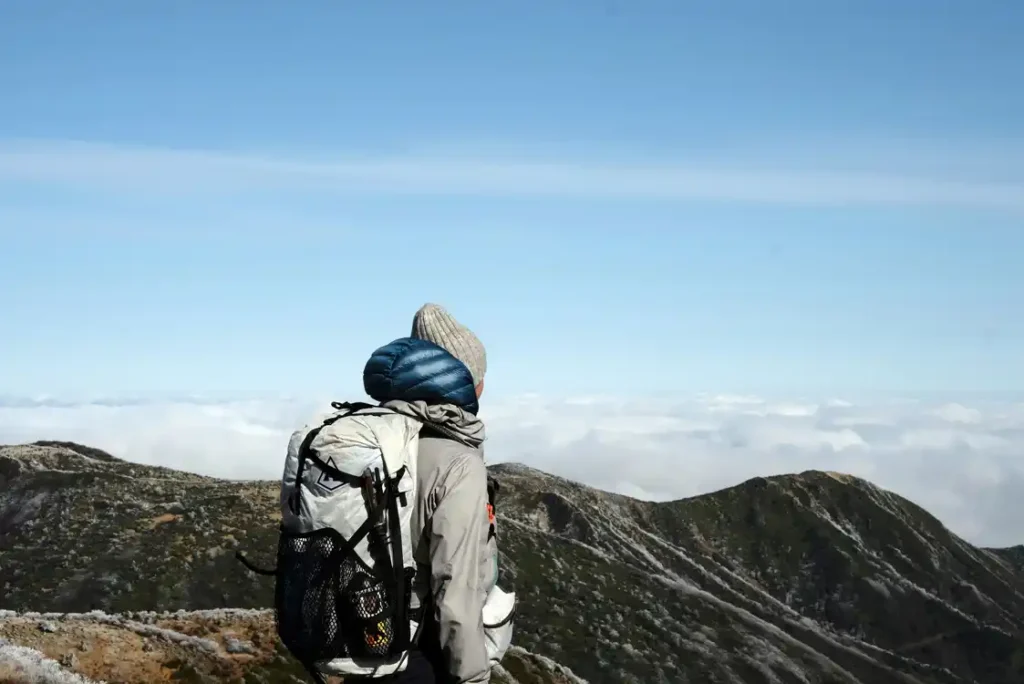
344	561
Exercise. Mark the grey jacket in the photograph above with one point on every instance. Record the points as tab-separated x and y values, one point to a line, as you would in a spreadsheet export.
456	556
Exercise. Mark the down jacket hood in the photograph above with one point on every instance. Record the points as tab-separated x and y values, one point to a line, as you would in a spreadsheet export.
414	370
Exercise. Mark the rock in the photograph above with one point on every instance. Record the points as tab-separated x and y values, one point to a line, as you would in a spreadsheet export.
235	646
47	627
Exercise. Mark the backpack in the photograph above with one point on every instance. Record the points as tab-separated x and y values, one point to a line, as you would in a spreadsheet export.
344	559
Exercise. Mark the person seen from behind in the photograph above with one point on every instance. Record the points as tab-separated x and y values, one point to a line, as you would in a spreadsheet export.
453	539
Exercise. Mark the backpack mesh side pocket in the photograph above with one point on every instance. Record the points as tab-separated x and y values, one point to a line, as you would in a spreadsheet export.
371	619
329	604
314	570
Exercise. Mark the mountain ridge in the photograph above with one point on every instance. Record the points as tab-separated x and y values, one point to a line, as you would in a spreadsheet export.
808	577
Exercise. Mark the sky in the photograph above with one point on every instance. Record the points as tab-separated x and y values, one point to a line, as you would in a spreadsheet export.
800	202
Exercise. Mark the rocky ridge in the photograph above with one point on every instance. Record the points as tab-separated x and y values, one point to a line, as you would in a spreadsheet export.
803	578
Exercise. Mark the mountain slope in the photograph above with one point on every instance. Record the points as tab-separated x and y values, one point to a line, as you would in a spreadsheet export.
1013	555
866	567
814	577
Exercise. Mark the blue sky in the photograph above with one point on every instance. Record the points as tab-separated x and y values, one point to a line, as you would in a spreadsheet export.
618	197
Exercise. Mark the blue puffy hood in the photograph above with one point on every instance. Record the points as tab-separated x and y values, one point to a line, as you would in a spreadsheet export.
412	369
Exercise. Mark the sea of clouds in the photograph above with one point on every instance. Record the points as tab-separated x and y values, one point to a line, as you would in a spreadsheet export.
964	462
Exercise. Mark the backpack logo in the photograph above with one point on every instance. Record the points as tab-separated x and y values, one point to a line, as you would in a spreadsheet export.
325	480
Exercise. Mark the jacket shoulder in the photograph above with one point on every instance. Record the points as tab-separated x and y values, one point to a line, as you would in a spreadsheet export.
451	465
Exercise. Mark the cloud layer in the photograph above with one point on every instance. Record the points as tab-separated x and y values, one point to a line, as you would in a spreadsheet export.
205	172
963	463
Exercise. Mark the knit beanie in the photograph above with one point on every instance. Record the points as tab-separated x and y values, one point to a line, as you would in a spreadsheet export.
434	324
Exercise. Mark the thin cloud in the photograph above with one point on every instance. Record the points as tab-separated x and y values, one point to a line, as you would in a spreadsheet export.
960	462
207	172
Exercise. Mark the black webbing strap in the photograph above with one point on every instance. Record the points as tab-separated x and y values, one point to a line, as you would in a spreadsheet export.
254	568
331	470
397	563
306	451
344	550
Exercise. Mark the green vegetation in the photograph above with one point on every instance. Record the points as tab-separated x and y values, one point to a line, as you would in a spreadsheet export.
813	577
